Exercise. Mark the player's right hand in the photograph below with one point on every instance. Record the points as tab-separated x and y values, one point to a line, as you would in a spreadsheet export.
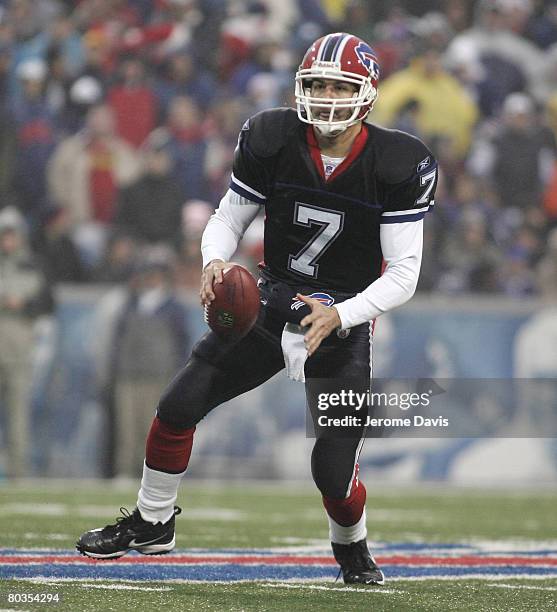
212	273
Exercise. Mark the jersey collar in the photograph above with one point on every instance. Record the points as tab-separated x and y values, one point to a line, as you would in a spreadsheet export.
355	150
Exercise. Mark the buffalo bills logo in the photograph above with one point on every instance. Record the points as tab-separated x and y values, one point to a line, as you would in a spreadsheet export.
324	298
367	57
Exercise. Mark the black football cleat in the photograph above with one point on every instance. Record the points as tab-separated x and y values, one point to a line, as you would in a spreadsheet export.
356	564
130	532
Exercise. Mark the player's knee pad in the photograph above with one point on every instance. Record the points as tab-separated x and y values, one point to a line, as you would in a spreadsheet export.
186	400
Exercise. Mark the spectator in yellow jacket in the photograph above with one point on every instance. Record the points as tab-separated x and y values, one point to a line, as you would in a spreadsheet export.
445	109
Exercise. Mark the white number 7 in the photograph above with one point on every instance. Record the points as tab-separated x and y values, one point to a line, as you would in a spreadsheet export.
331	223
429	180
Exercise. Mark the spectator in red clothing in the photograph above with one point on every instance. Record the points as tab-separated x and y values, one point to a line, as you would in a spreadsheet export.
84	175
134	103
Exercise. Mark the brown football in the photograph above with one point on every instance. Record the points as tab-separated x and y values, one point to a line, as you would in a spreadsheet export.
234	310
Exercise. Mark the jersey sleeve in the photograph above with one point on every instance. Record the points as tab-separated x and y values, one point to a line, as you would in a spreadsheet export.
410	192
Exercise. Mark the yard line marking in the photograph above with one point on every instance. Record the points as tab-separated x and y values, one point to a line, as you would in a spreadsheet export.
316	587
522	586
122	587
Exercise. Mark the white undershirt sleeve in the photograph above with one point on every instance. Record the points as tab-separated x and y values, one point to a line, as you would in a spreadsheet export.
401	244
227	226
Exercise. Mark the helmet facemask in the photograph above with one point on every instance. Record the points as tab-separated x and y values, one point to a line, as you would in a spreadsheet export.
310	107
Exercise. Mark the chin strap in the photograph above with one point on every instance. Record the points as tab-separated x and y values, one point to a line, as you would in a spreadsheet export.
329	131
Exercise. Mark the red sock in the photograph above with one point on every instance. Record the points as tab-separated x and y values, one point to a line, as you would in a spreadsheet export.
348	511
168	448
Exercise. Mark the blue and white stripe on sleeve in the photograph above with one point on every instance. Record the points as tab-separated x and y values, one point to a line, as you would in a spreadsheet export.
246	191
404	216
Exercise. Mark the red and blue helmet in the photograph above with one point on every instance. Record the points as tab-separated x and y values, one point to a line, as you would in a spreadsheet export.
343	57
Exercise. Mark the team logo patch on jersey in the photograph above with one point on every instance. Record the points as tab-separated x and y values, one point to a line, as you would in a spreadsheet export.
424	164
324	298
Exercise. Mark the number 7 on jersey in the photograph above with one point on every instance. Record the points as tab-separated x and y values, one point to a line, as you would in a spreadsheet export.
330	223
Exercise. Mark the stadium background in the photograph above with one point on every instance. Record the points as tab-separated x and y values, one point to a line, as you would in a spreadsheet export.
119	121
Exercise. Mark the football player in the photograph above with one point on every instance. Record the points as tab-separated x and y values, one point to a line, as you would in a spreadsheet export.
343	199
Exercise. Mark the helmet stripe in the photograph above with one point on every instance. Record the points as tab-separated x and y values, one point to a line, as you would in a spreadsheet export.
322	47
335	48
342	44
330	47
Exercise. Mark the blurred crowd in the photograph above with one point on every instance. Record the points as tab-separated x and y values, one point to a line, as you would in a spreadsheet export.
119	121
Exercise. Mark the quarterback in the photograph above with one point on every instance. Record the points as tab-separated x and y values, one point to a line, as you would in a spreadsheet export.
344	203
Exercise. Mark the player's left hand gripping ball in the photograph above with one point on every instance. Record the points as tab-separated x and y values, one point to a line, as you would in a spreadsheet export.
234	309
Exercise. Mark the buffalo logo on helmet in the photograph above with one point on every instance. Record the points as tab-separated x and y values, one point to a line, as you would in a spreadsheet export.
367	57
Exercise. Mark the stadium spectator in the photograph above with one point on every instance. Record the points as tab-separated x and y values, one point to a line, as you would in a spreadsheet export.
56	250
260	61
357	18
133	103
518	158
117	262
226	118
62	38
541	28
24	296
445	110
149	208
470	259
84	93
36	137
85	173
492	35
188	146
148	340
181	76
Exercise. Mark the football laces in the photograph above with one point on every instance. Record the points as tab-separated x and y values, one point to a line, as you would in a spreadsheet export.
206	313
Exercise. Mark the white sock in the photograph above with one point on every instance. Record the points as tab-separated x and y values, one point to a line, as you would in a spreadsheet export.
157	495
346	535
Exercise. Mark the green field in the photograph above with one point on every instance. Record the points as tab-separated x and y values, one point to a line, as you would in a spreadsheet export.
52	515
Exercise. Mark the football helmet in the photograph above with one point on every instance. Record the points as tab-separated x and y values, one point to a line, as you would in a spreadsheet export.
341	57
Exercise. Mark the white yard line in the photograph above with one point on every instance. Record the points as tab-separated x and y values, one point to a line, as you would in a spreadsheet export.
122	587
99	583
523	586
317	587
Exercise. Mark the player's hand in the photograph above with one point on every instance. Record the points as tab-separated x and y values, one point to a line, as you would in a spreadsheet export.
212	273
323	320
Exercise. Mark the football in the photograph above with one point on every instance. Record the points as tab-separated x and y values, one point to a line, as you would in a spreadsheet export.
234	310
